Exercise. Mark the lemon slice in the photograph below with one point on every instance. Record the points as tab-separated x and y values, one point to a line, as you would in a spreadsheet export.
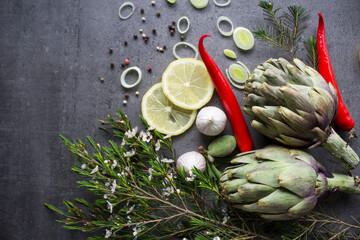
163	115
187	83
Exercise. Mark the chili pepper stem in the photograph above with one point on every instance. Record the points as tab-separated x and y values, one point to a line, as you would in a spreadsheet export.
340	150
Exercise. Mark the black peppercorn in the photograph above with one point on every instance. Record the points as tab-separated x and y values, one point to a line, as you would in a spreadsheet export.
112	65
173	22
158	14
172	32
110	50
153	30
135	36
125	43
182	38
142	11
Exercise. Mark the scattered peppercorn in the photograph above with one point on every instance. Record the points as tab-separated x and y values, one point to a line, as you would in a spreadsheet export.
122	65
140	30
137	93
125	43
127	61
149	69
143	19
124	102
135	36
126	95
102	79
172	32
161	50
110	50
153	3
182	38
142	11
112	65
170	27
158	14
153	30
173	22
164	47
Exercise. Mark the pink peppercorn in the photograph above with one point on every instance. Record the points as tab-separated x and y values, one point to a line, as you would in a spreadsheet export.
127	61
149	69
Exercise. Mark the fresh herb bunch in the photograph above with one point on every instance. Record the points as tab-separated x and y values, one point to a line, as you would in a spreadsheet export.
141	195
283	31
310	45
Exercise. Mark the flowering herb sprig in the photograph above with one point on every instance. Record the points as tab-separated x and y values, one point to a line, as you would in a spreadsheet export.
141	195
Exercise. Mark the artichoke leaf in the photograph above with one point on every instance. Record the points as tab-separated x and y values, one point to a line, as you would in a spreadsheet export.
274	79
297	100
284	129
306	205
279	201
266	112
274	153
291	141
302	184
264	129
233	185
241	172
266	173
278	217
252	192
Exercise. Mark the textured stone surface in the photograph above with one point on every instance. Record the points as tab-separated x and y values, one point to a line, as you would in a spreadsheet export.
52	54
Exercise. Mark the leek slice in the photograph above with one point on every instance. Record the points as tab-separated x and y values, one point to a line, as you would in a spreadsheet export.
185	44
222	4
199	4
225	19
230	54
123	75
237	74
125	4
171	1
187	25
243	38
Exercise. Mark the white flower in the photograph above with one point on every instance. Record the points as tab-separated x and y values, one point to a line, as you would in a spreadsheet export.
191	178
168	136
95	169
130	209
165	160
108	233
105	196
106	161
123	142
150	173
131	133
157	145
119	175
225	219
114	164
110	207
83	166
146	136
135	231
113	187
216	238
107	184
130	153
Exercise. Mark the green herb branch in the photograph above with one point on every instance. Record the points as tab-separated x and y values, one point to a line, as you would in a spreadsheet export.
140	195
283	31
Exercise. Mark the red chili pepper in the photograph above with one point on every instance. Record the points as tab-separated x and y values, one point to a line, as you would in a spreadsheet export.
228	99
343	118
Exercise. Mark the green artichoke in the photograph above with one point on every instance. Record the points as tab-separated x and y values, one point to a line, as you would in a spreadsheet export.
279	183
294	105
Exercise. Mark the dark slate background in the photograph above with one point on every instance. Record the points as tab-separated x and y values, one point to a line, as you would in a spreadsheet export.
52	54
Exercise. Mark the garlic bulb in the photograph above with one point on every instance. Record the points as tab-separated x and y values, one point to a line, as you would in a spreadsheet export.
211	121
191	159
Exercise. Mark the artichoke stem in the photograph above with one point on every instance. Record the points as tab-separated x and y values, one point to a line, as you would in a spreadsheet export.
343	183
341	151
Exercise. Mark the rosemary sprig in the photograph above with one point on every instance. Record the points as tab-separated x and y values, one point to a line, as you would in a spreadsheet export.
283	31
310	45
140	195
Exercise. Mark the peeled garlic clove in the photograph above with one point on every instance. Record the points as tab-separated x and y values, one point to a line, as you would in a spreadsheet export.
190	160
211	121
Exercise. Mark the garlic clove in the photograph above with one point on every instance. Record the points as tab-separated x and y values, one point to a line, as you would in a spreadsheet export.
190	160
211	121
